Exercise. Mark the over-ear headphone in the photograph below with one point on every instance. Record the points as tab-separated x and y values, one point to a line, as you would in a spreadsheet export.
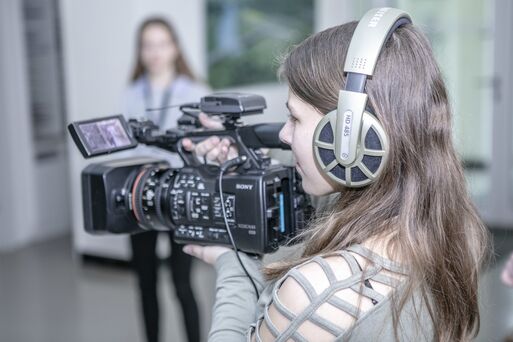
350	144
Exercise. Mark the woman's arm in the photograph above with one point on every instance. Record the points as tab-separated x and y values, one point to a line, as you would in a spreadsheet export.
235	304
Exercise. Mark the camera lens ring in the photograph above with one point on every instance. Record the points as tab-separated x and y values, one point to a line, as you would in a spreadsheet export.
136	196
137	192
146	198
166	183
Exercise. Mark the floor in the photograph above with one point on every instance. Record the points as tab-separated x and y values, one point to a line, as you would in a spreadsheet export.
47	294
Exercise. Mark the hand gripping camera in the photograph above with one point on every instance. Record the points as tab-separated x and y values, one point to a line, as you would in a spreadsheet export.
262	203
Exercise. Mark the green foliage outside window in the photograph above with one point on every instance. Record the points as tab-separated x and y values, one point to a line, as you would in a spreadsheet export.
246	37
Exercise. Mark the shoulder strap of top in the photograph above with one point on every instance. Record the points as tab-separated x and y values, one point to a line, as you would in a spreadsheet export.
378	259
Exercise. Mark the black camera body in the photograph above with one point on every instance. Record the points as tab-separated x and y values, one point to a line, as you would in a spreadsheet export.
264	204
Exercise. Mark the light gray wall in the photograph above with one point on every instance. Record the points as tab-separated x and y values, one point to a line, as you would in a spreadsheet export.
17	215
33	204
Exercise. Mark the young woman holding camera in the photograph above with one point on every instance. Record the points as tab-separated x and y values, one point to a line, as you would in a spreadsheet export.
398	259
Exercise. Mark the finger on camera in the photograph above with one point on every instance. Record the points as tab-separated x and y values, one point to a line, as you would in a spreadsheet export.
232	152
223	154
213	154
209	122
226	142
193	250
188	145
207	145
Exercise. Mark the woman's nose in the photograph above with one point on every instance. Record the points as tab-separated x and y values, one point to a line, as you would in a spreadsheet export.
286	134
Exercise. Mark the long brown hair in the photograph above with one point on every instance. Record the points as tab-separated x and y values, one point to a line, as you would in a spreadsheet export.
181	65
421	198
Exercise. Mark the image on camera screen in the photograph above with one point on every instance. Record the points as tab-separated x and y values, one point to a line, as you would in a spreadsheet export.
104	135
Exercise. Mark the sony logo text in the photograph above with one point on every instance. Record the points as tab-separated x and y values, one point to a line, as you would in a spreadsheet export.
243	186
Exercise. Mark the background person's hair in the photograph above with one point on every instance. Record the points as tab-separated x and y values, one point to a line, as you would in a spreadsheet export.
421	198
181	65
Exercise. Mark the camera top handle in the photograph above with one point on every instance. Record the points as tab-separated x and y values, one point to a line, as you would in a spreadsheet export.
230	107
248	140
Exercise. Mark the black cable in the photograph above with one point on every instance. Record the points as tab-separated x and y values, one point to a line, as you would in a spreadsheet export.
225	166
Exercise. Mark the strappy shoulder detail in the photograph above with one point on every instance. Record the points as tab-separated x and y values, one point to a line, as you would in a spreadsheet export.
323	297
376	258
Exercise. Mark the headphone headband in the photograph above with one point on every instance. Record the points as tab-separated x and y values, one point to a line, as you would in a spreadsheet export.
368	38
371	33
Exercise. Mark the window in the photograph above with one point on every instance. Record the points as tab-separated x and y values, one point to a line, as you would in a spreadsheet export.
246	37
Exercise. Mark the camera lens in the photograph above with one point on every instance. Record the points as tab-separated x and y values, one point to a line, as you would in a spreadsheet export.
147	199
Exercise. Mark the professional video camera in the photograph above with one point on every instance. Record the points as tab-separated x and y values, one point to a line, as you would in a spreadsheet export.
261	204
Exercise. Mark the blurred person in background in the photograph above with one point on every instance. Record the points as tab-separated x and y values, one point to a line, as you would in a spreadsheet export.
161	78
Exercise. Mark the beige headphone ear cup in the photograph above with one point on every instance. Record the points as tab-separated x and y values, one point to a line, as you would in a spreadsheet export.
372	152
324	148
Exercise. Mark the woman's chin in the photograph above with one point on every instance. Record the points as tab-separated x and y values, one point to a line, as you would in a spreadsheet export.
315	186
